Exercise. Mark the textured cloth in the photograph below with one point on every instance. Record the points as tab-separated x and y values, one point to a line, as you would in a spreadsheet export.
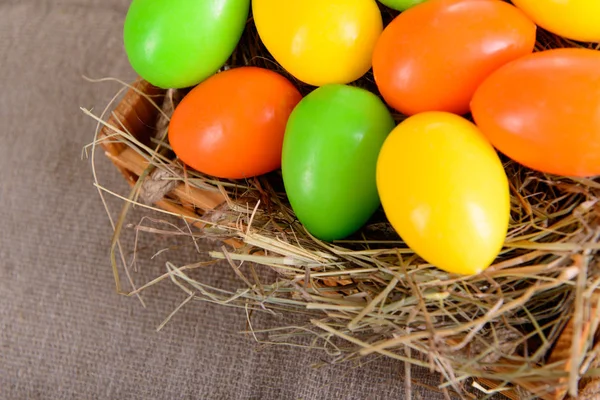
64	331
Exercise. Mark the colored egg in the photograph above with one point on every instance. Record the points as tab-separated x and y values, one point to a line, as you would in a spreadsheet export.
433	56
401	5
330	150
232	124
573	19
320	42
179	43
543	111
444	190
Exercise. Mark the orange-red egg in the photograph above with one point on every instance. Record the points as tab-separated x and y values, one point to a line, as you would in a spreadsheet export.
232	124
543	111
433	56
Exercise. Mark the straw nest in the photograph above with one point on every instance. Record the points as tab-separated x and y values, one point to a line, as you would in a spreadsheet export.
526	327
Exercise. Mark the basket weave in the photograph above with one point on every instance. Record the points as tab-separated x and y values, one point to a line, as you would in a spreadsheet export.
138	116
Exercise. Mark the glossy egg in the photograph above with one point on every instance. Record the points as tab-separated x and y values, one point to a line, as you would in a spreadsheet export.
179	43
320	42
433	56
573	19
401	5
543	111
330	150
444	190
232	124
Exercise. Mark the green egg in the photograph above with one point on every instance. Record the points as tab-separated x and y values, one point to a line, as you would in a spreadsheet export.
330	149
180	43
401	5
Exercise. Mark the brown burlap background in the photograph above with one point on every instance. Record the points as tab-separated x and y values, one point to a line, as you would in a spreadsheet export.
64	332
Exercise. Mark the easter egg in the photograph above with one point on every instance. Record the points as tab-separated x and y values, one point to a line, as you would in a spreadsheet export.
232	124
573	19
330	150
401	5
320	42
543	111
433	56
179	43
444	190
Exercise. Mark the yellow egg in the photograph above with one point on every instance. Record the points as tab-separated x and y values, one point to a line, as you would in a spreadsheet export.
573	19
320	42
444	190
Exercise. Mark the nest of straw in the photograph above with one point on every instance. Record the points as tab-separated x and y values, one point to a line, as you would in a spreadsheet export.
524	328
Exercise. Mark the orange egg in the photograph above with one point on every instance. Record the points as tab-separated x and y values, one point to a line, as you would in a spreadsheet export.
232	124
543	111
433	56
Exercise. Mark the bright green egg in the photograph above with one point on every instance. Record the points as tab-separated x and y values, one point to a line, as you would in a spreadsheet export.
180	43
330	149
401	5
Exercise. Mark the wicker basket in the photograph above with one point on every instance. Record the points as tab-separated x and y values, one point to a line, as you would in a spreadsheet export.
138	116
